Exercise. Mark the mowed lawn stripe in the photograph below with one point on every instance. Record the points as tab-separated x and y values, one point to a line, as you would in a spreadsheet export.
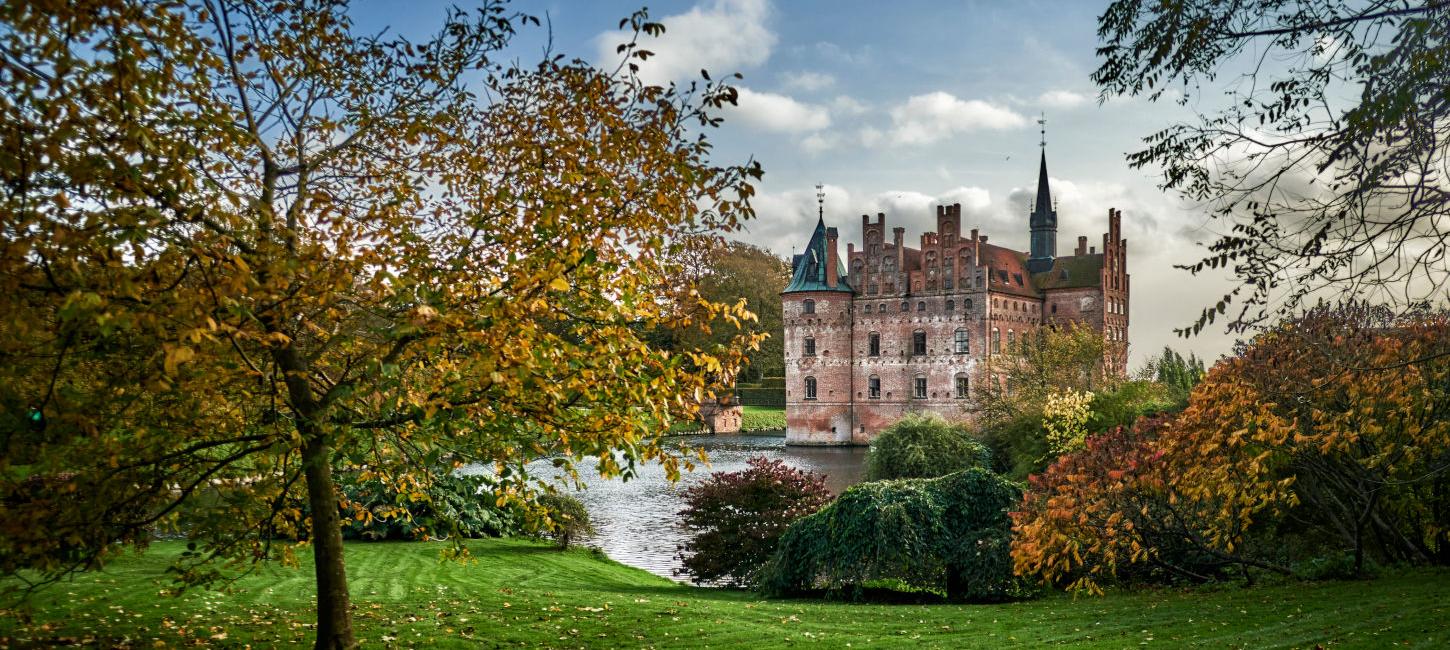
524	593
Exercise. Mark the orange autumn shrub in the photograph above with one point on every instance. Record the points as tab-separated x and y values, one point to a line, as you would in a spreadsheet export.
1332	431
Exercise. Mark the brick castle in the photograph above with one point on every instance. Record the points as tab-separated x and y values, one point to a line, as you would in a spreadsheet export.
914	329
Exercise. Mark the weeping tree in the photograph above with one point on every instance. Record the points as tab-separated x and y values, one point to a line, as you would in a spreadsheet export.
246	247
1325	161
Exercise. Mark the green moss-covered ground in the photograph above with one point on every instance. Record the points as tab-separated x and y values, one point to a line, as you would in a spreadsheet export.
521	593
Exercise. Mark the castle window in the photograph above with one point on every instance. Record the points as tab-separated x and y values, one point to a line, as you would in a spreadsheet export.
873	387
919	388
967	304
921	306
951	305
881	307
810	387
918	343
874	345
868	309
964	387
996	341
1054	308
961	345
905	306
810	347
1011	340
808	307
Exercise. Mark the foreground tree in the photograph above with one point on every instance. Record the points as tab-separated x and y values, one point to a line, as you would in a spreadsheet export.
1327	161
244	247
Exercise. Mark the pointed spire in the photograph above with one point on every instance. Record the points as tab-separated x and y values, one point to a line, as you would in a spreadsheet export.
1044	193
1043	222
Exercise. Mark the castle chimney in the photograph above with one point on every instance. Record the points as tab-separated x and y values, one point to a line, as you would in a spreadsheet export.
832	258
898	236
1092	250
984	239
1081	245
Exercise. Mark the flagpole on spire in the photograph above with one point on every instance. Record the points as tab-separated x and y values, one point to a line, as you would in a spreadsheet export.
821	201
1042	128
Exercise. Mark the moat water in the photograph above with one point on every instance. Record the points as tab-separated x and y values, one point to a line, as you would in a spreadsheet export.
637	520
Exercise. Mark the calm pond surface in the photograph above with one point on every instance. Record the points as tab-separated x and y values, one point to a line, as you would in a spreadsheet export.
636	520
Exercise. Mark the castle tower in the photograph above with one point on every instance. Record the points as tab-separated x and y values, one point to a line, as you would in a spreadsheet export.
816	308
1044	218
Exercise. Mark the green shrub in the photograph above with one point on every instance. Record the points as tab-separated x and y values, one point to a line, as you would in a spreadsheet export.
453	505
761	396
924	447
949	535
772	382
570	520
1128	401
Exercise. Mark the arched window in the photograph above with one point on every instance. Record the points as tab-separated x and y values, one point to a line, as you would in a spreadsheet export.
964	386
921	305
967	304
996	341
881	308
873	387
1011	341
951	304
810	387
947	272
918	343
874	345
905	306
808	307
1054	308
961	344
810	347
868	308
918	387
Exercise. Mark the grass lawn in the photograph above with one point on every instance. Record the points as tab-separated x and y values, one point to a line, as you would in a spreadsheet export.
520	593
752	419
757	418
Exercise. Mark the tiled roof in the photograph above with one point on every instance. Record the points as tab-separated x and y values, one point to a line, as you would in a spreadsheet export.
1009	271
808	269
1072	272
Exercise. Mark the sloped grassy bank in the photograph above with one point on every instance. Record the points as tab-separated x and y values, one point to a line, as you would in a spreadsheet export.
522	593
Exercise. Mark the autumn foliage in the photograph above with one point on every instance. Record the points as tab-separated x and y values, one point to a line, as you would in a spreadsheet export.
1332	431
245	245
736	518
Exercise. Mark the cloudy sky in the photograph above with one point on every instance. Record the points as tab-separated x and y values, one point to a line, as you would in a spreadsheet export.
898	106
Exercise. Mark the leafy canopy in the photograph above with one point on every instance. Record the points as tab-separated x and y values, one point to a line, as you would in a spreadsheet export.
244	246
1324	160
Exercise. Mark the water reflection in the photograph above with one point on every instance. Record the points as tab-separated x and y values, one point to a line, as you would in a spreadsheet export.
636	520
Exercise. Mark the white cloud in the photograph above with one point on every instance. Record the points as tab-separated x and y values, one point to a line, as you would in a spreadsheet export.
778	113
722	36
932	117
1061	99
807	81
843	105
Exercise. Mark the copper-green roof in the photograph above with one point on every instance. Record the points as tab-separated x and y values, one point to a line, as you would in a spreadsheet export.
808	269
1071	272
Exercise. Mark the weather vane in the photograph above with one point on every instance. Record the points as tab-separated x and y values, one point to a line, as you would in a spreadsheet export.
1042	126
821	199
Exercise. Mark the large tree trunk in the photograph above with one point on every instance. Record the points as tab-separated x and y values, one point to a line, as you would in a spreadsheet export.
334	618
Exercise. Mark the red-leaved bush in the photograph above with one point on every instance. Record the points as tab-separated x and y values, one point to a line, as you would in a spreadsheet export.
737	517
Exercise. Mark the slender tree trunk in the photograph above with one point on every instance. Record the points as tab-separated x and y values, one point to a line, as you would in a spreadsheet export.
334	618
